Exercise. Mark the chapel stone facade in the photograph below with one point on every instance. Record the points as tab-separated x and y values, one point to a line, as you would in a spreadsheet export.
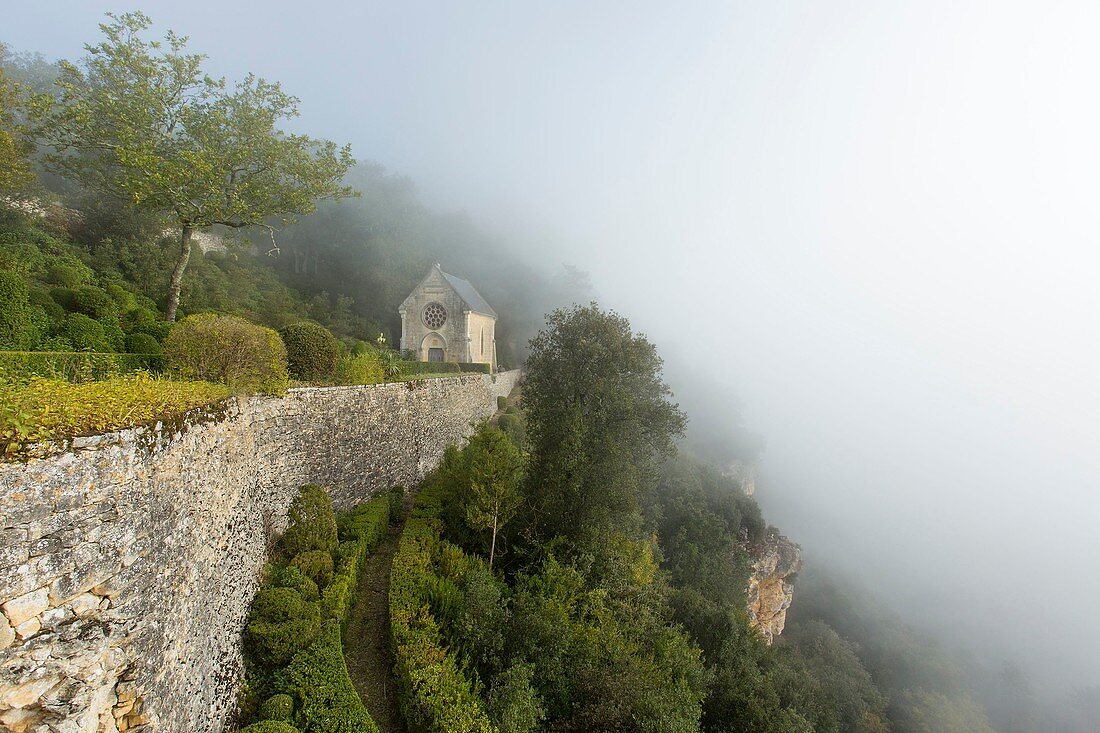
446	319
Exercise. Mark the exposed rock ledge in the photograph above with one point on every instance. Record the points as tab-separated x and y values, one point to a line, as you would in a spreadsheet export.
774	563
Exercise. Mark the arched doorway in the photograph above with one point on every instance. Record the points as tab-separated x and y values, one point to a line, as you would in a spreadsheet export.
433	348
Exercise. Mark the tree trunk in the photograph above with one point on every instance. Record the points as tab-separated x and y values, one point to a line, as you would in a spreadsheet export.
493	546
177	273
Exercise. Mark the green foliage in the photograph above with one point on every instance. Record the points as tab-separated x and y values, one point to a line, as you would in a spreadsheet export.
312	351
280	624
365	368
84	333
366	522
496	469
317	679
599	421
278	707
143	343
513	704
229	350
94	303
284	576
17	332
142	122
15	144
435	695
514	426
270	726
502	402
65	276
315	565
74	366
40	409
311	523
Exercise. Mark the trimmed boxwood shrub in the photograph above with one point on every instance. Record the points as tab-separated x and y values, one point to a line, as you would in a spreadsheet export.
270	726
435	693
278	707
142	343
315	565
227	349
281	576
280	624
311	523
325	699
312	351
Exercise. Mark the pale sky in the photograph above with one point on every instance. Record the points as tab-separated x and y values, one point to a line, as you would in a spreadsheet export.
877	221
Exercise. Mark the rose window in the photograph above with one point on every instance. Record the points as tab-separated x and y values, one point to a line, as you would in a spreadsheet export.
434	315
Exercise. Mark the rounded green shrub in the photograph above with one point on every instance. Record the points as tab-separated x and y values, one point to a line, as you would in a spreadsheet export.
277	707
227	349
63	297
142	343
124	300
94	303
42	299
85	334
270	726
312	351
288	577
17	332
65	276
363	368
315	565
280	624
311	523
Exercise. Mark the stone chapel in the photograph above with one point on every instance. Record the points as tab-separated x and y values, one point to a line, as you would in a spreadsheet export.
446	319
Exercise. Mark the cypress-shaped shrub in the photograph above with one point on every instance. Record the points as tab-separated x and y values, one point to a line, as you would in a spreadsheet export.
227	349
312	351
311	523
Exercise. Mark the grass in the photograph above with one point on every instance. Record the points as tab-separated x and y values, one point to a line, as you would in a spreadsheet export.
40	409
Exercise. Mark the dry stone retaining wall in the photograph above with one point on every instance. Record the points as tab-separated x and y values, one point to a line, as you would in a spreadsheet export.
128	563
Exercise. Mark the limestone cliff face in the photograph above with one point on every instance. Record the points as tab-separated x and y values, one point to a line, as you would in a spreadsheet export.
770	592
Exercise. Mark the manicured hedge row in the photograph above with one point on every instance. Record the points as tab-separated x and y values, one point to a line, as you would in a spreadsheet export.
293	634
75	366
436	697
412	368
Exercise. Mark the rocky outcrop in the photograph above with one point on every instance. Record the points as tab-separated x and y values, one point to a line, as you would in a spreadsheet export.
775	561
744	474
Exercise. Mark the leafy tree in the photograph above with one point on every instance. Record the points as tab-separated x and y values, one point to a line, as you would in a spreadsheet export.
142	121
599	421
496	468
15	147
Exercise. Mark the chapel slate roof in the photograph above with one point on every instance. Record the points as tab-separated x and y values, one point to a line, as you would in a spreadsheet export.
469	295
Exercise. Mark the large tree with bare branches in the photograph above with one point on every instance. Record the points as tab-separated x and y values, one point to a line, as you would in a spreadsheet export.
140	119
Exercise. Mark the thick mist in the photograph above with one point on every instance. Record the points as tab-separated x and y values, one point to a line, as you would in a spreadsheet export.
872	224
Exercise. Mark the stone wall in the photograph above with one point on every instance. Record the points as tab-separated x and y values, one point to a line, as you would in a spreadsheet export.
128	563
